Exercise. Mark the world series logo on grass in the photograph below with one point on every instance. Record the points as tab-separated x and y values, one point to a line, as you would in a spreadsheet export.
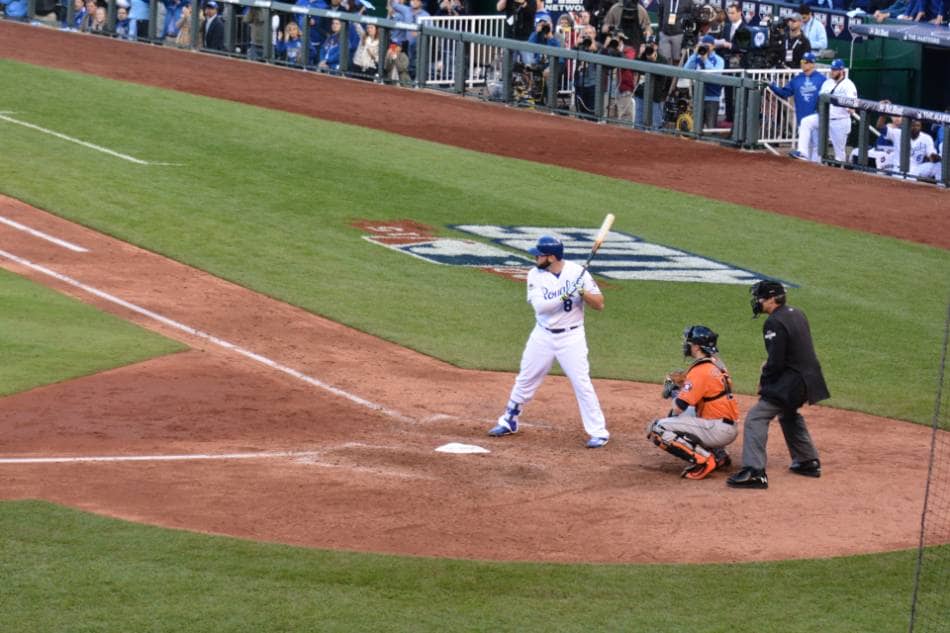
622	257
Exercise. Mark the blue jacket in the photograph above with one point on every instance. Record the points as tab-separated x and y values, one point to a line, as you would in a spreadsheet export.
804	88
173	10
289	50
317	34
330	52
14	8
712	62
931	8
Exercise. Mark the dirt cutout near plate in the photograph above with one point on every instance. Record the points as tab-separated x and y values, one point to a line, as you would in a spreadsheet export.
370	478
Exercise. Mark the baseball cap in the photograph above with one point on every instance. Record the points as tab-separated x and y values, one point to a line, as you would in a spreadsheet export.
794	16
809	57
708	39
837	64
211	3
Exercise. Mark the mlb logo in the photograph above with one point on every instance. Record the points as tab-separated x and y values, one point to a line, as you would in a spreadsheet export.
748	11
823	18
837	25
765	13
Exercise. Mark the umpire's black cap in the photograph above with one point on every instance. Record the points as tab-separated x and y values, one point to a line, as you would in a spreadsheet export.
767	288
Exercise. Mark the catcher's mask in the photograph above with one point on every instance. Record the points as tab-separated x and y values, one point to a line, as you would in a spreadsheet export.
548	245
763	290
703	337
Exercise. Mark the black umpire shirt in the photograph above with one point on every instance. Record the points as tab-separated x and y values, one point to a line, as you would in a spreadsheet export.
792	374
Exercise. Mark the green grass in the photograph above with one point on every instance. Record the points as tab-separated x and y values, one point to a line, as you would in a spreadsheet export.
69	571
47	337
266	199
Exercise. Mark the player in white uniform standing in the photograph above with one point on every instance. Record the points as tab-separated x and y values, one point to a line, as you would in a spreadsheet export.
839	119
558	290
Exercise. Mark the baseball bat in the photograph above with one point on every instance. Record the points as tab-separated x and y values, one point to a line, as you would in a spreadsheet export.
598	240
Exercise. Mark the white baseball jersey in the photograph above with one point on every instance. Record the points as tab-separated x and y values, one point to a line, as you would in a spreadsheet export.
545	290
843	88
920	148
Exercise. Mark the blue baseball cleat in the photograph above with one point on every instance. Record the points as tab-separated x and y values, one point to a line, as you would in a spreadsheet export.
504	427
597	442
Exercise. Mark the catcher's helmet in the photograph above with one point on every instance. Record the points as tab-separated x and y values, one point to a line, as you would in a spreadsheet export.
703	337
548	245
765	289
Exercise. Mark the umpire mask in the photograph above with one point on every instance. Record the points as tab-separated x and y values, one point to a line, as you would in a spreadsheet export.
763	290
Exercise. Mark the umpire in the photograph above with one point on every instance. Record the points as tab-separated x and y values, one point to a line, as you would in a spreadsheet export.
791	376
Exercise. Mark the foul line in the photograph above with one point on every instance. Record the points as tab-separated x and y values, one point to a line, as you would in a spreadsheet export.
41	235
208	337
148	458
98	148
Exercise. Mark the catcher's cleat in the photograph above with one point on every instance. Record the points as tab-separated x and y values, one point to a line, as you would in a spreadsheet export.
504	427
808	468
748	478
722	458
597	442
701	470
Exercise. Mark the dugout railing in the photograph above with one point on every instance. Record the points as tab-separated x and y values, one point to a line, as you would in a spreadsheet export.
865	109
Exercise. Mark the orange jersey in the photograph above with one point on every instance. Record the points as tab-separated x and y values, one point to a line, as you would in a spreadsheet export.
708	387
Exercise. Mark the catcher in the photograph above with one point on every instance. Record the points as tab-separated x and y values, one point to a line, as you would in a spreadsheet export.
703	418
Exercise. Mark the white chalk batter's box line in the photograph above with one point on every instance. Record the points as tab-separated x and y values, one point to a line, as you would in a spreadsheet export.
207	337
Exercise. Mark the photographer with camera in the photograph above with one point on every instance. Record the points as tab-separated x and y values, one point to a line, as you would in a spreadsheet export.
705	58
632	19
585	73
662	85
795	43
543	35
671	16
622	80
519	18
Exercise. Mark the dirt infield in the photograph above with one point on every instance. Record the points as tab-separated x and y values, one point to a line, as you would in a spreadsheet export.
364	474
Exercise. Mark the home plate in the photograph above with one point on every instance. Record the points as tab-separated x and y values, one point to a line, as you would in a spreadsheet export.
455	447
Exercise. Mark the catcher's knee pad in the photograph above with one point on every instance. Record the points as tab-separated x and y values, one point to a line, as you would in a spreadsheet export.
681	446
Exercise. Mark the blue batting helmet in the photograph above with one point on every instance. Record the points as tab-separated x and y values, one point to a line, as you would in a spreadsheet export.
548	245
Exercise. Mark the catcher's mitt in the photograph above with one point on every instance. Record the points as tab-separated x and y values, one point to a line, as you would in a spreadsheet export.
673	383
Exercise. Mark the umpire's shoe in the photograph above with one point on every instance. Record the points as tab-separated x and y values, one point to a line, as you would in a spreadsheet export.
748	477
808	468
505	426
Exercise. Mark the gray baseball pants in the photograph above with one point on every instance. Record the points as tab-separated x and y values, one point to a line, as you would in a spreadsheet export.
755	434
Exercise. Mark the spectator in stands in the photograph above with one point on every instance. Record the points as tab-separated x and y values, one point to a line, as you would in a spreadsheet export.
138	19
123	24
670	24
704	57
410	14
835	5
170	28
366	58
519	18
892	10
661	89
289	45
565	30
100	23
623	81
317	27
258	30
396	65
212	29
331	51
15	9
813	29
79	12
796	44
630	17
582	18
451	8
88	16
183	25
541	13
48	12
804	89
923	11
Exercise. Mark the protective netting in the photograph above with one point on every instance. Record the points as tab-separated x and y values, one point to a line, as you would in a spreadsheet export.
930	608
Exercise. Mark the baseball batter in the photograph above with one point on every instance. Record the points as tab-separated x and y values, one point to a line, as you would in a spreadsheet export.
839	123
558	290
